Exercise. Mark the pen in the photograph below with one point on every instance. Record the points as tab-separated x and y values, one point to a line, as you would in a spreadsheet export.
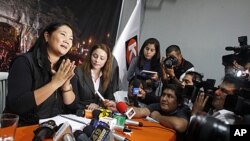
73	119
100	95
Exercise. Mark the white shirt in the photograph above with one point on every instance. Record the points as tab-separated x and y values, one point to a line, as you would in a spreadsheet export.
97	81
226	116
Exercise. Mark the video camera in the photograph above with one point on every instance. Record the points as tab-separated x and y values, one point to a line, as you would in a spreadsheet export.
239	103
240	54
207	86
169	62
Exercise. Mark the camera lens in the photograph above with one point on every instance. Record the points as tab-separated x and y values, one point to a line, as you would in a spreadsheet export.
170	61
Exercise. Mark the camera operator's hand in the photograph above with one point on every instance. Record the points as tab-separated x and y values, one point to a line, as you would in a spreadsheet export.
155	77
170	72
142	94
199	103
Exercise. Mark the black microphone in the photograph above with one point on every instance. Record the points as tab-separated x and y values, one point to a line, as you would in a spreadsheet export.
81	136
80	112
133	122
45	130
99	113
100	133
88	130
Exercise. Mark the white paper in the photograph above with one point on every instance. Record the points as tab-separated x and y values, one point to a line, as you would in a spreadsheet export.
70	118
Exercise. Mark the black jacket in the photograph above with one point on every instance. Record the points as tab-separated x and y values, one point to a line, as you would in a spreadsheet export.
28	73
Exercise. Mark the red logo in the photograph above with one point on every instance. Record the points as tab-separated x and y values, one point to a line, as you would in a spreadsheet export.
131	49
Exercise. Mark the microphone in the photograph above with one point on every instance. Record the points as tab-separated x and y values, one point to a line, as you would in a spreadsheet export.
101	113
237	49
68	137
80	113
84	113
64	133
81	136
120	138
112	124
45	130
151	119
122	108
100	133
132	122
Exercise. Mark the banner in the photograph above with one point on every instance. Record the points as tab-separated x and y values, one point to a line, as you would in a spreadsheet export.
126	46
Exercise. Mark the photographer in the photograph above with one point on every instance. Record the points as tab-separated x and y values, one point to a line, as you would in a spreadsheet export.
175	66
229	86
191	79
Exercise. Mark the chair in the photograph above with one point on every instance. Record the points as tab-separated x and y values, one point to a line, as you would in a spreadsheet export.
3	89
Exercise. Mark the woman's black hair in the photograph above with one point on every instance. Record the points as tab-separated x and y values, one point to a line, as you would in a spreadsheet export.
155	61
42	45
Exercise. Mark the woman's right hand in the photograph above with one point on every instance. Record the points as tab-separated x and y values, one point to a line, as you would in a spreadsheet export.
92	106
64	73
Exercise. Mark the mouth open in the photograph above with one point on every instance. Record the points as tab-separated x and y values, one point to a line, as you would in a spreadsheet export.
64	46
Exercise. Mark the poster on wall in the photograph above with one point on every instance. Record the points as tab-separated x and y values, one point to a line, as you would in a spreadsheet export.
94	21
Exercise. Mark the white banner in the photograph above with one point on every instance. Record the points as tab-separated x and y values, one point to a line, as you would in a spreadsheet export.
126	46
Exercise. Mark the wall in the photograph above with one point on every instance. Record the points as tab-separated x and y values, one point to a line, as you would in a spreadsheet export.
202	28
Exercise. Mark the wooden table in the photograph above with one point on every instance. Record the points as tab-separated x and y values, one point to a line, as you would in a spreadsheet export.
149	132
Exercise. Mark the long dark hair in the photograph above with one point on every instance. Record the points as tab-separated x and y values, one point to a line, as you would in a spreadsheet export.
155	61
42	45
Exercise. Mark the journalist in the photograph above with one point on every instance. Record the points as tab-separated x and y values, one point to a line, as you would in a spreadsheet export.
175	66
230	86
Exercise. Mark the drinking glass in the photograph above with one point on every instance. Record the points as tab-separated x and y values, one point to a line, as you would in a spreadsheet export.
8	125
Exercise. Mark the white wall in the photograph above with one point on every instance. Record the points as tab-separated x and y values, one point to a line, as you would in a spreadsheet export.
202	28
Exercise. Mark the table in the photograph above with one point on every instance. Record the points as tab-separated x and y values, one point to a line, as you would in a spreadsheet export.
149	132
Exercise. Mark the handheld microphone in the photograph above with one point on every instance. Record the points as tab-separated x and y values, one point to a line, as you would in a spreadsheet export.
80	113
101	113
81	136
112	124
68	137
100	133
45	130
63	133
88	130
120	138
151	119
122	108
132	122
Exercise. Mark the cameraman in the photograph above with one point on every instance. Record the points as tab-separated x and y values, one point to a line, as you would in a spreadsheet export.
191	78
229	86
175	72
